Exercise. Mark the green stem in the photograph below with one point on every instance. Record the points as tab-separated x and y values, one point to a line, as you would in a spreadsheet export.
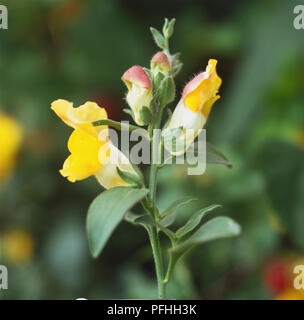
153	235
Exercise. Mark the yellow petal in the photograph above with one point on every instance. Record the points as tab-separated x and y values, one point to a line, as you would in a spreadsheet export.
200	93
80	117
86	113
83	161
61	108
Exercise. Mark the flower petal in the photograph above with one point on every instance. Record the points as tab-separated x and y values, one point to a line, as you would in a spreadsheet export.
83	161
107	175
202	88
80	117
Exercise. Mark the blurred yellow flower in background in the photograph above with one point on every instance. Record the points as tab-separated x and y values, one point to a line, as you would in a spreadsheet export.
291	294
10	139
17	246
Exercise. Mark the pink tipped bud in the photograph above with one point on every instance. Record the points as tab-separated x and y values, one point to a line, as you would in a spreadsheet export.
160	59
138	76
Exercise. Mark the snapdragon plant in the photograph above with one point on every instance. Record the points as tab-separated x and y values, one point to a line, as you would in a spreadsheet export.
149	91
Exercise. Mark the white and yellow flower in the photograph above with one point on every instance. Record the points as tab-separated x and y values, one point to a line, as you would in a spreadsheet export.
92	152
193	109
139	91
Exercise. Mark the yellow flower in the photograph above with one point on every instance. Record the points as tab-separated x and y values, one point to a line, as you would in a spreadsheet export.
195	105
18	246
92	153
10	139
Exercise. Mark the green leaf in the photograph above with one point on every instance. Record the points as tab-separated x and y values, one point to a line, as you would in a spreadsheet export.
168	220
138	219
175	205
194	221
215	156
106	212
159	38
170	234
217	228
130	177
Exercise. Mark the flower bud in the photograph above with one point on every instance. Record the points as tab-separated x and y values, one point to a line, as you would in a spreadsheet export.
160	62
139	91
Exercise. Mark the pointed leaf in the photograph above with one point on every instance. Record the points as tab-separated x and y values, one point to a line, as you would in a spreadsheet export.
168	220
130	177
138	219
215	156
175	205
194	221
106	212
159	38
217	228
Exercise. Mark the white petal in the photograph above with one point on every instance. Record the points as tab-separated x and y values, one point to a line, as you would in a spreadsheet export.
138	97
191	122
107	175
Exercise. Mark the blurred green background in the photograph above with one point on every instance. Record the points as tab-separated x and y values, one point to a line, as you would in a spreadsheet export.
77	50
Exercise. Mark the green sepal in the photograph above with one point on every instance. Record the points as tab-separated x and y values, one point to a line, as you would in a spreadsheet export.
145	115
130	177
166	91
157	79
